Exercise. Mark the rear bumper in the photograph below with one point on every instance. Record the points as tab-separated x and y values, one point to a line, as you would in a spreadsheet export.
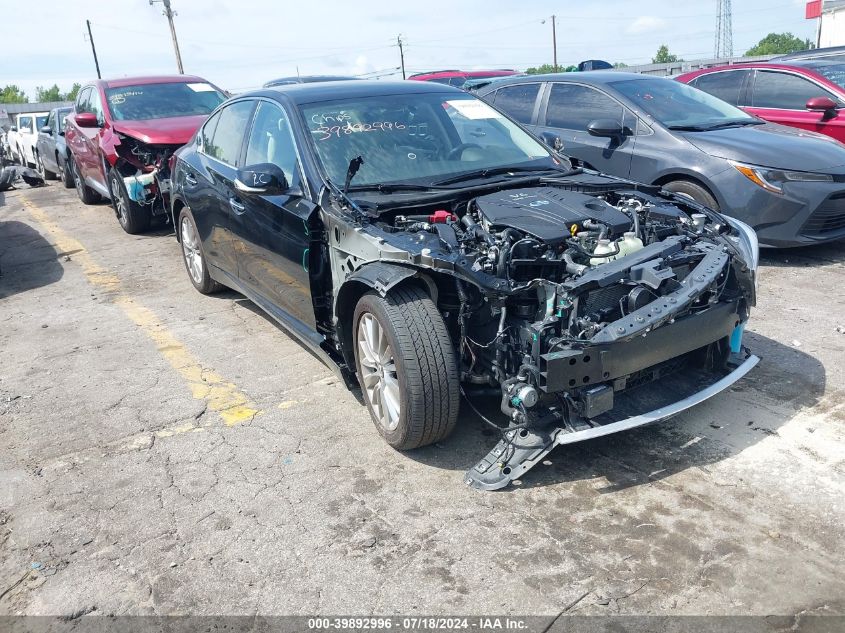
521	449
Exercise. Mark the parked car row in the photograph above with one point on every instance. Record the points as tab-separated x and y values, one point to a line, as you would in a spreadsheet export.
425	242
788	184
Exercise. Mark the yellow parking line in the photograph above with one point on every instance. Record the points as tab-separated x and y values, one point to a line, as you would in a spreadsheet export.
223	397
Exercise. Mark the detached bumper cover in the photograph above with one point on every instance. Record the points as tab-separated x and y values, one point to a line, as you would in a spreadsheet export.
521	449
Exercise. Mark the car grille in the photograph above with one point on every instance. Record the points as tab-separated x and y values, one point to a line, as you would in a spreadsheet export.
828	218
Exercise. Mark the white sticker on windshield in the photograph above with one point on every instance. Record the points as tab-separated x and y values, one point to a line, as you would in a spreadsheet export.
474	109
203	87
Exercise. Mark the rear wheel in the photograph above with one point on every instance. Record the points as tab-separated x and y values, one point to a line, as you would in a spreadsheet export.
133	217
193	256
694	191
85	193
406	367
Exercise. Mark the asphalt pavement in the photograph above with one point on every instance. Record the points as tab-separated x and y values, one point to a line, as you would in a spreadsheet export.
163	452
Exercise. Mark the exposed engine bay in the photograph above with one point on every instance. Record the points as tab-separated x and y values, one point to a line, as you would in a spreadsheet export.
563	299
146	172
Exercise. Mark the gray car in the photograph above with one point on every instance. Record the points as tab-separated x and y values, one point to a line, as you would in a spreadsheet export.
51	150
787	183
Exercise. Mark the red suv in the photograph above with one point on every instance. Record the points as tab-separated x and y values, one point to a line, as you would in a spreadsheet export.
804	93
122	134
457	78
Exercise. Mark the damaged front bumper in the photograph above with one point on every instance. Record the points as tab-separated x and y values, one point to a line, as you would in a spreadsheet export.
521	449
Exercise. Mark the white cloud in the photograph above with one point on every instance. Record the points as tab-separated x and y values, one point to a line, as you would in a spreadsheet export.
646	24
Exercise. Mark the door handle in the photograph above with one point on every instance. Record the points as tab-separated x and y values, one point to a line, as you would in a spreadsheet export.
237	207
190	179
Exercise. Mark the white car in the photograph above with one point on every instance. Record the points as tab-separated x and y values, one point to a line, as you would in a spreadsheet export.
23	136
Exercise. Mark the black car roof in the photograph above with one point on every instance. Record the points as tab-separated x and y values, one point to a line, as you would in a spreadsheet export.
589	77
329	91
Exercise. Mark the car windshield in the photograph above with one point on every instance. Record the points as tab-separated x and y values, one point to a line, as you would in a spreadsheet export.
678	105
832	71
423	138
158	101
40	121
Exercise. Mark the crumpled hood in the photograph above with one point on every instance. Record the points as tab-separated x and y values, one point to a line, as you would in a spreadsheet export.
771	145
170	131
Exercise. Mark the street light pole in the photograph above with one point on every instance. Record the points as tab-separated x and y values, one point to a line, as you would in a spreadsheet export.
554	40
168	12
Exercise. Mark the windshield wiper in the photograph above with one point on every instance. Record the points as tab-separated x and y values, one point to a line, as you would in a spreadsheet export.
354	166
715	126
394	186
494	171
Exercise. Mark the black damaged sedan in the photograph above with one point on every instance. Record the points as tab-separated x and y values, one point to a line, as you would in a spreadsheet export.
428	247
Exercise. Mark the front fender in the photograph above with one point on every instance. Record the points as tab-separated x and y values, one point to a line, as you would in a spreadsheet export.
378	276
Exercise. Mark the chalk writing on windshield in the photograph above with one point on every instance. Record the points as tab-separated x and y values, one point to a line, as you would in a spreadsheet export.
335	131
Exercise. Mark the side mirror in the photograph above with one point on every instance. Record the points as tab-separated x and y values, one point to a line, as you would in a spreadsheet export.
609	128
46	130
86	119
552	140
265	179
822	104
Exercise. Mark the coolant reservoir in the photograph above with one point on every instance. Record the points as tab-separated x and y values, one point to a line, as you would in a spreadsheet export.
629	243
602	248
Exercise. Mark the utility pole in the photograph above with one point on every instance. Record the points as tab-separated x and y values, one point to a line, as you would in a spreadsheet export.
554	39
401	54
169	13
93	49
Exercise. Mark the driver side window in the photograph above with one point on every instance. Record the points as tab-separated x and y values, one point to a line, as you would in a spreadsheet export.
271	141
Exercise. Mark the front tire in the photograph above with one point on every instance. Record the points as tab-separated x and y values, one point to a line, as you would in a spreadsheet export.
193	256
406	367
133	217
85	193
65	174
692	190
45	173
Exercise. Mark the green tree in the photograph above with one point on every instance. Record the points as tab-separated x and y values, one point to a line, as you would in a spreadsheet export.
663	56
13	94
74	92
779	44
44	95
544	69
620	65
571	69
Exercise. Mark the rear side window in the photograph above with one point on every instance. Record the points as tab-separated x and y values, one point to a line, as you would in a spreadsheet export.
228	136
25	124
518	101
784	91
726	86
573	107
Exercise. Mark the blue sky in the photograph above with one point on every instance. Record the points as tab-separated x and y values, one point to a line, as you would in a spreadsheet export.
239	45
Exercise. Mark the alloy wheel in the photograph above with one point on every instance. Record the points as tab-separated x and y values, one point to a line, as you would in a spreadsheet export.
191	250
119	200
77	179
378	371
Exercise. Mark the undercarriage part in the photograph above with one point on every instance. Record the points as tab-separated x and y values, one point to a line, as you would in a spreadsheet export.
519	450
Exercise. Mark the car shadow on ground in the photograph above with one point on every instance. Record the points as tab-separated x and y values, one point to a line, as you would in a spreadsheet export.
820	255
785	381
27	259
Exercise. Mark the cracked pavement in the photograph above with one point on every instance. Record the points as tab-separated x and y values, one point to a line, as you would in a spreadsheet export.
124	491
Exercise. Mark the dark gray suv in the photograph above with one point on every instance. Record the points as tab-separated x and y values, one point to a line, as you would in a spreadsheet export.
788	184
